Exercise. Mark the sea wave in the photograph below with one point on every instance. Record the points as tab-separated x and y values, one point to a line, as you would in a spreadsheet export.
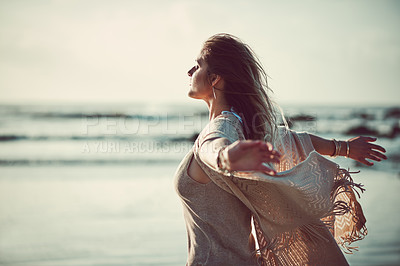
74	135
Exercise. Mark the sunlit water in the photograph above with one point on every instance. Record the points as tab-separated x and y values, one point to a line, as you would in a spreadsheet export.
108	215
100	215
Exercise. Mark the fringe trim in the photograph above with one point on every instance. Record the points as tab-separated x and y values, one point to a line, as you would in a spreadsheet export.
343	180
343	183
266	254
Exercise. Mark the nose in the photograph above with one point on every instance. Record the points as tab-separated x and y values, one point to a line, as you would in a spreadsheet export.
191	71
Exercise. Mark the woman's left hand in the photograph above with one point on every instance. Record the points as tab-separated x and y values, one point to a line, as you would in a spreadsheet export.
250	155
361	149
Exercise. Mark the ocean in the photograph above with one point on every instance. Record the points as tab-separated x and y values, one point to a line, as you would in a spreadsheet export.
93	184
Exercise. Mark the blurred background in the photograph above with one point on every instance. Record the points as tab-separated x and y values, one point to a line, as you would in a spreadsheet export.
95	118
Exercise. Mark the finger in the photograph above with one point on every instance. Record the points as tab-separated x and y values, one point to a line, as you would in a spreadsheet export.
266	170
376	147
276	153
269	146
369	139
372	157
275	158
266	146
378	154
363	161
270	158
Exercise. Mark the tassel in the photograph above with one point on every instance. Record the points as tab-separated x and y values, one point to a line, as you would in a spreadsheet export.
345	204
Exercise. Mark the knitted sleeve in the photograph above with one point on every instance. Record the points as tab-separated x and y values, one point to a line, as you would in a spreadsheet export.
226	127
223	126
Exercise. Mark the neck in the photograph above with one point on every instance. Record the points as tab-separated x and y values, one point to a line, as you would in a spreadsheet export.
216	106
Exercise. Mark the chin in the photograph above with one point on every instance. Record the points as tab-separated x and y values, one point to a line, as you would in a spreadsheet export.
193	95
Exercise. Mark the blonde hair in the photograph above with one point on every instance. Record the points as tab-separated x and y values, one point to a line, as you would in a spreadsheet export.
246	87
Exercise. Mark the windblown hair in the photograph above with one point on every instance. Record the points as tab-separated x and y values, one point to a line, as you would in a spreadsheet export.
246	84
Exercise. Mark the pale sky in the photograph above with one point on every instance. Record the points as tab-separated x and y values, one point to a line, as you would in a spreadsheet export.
318	52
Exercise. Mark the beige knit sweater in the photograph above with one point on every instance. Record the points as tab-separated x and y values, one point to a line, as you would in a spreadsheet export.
295	210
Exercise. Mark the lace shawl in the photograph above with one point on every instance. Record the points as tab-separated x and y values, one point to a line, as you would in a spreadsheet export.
309	192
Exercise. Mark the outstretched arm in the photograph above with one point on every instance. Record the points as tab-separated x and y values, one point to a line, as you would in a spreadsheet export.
360	148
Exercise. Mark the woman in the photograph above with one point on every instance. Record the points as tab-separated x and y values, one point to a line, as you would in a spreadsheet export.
234	177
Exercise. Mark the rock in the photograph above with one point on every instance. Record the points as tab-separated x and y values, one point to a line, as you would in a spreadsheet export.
288	121
393	113
362	130
395	131
364	116
11	137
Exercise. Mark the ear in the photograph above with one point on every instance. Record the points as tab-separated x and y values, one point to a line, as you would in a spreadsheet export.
214	79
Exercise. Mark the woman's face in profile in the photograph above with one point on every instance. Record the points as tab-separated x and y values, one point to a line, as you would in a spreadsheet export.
200	87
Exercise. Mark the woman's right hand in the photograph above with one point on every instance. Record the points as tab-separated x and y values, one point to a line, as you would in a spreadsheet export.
361	148
249	155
